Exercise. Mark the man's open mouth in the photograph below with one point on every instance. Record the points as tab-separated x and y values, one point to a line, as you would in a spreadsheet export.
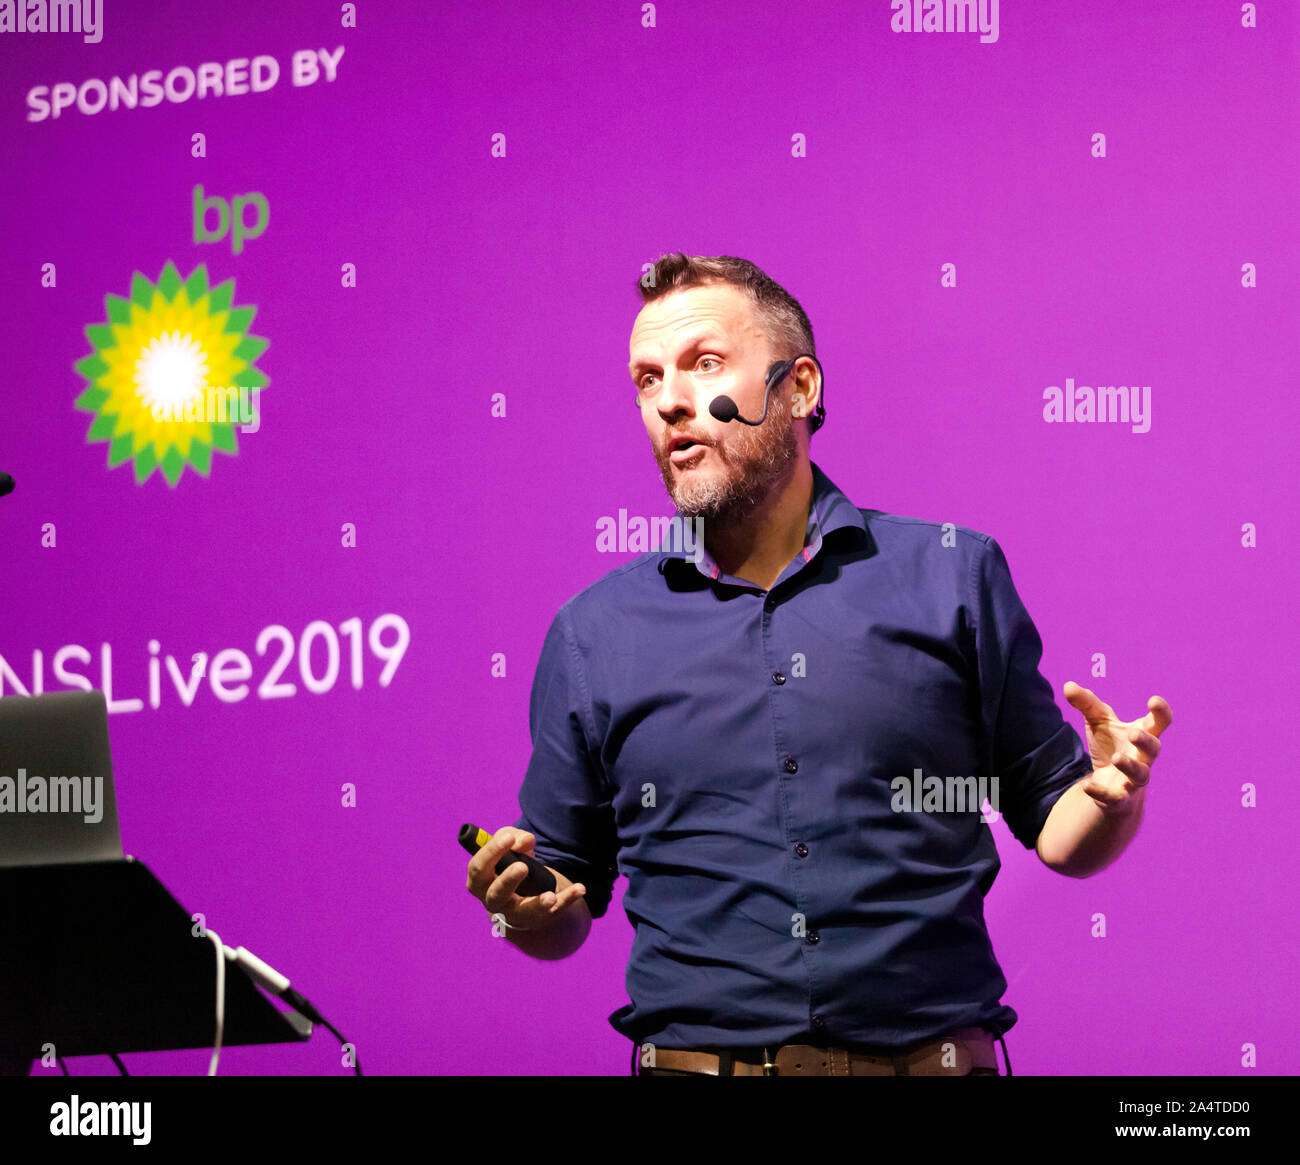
685	450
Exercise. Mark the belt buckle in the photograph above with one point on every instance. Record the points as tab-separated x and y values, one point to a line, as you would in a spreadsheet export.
769	1068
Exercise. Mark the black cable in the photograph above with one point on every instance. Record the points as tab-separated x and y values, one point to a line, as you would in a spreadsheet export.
304	1006
278	985
338	1035
121	1068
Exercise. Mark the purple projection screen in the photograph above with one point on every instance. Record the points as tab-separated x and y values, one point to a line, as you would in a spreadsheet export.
408	237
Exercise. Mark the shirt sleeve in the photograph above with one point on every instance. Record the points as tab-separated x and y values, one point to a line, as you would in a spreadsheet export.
565	800
1030	749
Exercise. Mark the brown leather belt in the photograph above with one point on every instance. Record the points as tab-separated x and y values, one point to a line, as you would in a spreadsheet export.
952	1055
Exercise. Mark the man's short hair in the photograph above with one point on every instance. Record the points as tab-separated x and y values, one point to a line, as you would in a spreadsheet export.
776	311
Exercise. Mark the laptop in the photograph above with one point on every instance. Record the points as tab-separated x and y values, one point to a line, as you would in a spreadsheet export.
99	956
57	803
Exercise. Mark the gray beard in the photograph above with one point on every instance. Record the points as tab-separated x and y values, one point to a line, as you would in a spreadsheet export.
753	461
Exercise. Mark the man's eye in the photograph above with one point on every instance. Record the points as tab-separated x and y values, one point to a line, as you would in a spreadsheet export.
644	383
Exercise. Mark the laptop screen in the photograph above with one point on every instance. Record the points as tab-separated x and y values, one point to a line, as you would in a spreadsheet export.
56	780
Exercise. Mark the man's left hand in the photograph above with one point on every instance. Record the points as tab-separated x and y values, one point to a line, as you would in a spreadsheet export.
1122	753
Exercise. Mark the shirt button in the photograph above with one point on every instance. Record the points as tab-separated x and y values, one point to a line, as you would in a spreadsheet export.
778	678
791	765
801	850
814	937
818	1021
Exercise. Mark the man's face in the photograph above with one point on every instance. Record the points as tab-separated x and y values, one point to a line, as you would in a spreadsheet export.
687	348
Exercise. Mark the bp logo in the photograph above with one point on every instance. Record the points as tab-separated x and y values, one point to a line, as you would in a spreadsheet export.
172	374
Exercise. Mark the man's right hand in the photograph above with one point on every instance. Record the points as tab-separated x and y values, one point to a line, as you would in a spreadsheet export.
540	912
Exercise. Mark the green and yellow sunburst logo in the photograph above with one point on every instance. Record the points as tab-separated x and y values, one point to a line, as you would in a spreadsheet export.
165	366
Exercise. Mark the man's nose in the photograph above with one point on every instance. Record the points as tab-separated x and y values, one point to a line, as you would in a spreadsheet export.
676	393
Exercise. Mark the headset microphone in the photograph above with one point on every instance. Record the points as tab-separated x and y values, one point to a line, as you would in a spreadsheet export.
723	408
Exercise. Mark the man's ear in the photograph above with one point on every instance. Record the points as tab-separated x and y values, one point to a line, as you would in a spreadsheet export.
799	402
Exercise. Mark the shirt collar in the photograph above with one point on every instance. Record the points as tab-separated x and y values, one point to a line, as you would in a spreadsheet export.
829	510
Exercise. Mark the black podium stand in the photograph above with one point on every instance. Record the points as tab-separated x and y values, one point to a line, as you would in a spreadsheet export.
98	957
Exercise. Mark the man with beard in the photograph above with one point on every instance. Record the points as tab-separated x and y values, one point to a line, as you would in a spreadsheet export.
731	735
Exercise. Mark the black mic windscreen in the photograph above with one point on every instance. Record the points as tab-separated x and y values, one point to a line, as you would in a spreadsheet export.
6	484
723	408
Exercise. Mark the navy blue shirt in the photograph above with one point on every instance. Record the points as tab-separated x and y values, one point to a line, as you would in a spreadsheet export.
736	753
